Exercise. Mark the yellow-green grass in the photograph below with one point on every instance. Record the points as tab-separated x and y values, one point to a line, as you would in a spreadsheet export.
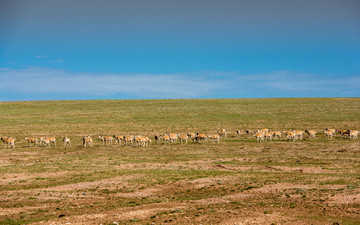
307	182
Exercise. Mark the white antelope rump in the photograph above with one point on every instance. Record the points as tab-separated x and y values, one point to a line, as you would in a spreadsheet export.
311	133
183	137
32	140
239	132
66	141
87	140
214	137
8	142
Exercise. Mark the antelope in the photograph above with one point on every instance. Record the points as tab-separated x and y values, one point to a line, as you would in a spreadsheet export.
41	140
192	136
183	137
144	141
128	140
215	137
344	133
328	134
106	139
173	137
238	132
277	134
259	136
268	136
222	132
200	137
102	139
291	135
118	139
8	141
298	134
32	140
311	133
66	141
158	138
353	134
166	138
48	140
332	131
87	140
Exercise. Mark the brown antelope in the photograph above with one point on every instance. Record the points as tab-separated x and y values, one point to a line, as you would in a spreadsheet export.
142	141
259	136
276	134
66	141
32	140
268	136
311	133
200	137
166	139
106	139
353	134
214	137
128	140
173	137
41	140
48	140
8	141
299	134
183	137
192	136
222	132
290	135
87	140
344	133
329	134
118	139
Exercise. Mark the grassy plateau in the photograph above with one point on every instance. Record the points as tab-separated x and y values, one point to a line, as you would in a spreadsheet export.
237	181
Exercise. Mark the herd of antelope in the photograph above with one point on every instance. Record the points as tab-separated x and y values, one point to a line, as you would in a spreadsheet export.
261	135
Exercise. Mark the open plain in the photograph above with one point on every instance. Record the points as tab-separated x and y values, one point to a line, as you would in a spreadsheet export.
238	181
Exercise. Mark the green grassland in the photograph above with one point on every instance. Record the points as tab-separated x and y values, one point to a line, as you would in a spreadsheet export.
237	181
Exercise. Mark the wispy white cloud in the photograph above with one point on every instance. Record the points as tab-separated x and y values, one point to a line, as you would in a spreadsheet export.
58	61
40	56
47	82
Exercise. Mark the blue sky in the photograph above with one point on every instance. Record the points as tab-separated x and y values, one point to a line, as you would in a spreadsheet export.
116	49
